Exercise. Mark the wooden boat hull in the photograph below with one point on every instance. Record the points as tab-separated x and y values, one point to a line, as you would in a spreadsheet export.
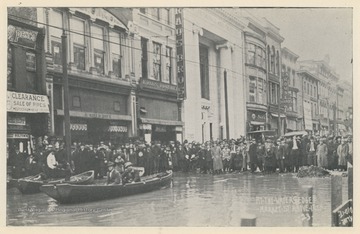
67	193
28	185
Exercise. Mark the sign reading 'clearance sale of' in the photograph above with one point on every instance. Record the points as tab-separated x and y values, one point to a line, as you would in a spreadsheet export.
27	103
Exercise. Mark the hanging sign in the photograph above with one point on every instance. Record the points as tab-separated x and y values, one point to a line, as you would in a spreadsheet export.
27	102
78	127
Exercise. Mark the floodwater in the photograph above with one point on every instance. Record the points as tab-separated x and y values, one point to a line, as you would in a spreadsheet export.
193	200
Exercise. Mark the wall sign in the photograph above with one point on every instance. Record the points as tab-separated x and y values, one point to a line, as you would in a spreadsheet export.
22	36
180	53
21	121
27	103
152	84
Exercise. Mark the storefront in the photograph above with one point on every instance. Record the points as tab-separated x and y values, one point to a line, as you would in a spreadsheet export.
99	110
158	112
27	105
256	120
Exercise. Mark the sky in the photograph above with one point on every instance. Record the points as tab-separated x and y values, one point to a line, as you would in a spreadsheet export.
312	33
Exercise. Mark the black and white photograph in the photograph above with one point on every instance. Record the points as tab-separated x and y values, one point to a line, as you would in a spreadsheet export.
179	116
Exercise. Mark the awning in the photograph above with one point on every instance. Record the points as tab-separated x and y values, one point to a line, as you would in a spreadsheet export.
276	115
161	122
91	115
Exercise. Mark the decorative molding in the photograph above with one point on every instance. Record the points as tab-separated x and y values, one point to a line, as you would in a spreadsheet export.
226	45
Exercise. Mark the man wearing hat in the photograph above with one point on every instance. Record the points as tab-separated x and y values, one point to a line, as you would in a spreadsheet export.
130	175
343	153
311	152
113	176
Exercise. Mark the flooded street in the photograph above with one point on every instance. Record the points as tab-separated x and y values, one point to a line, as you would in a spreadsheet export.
194	200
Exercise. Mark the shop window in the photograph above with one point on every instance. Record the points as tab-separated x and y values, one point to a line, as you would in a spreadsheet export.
167	77
157	61
204	72
76	101
144	58
117	106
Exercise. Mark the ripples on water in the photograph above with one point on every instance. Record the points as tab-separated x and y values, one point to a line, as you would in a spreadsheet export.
194	200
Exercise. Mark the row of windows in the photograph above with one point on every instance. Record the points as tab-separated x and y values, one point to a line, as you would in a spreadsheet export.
256	55
103	47
293	107
160	59
273	60
160	14
274	93
314	109
257	90
23	56
310	89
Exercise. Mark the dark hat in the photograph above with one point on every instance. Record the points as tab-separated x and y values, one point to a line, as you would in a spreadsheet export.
110	164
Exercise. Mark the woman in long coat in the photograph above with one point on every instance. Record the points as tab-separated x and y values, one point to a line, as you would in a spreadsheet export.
322	154
216	154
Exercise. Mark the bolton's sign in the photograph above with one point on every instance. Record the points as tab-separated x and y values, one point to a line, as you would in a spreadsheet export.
180	53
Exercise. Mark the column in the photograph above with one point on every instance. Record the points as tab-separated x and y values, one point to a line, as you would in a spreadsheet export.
226	115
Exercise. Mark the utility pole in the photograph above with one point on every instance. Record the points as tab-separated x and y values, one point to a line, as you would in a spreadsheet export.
66	96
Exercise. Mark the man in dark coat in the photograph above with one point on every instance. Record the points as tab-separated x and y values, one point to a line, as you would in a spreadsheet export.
270	157
260	153
156	152
280	154
180	152
252	155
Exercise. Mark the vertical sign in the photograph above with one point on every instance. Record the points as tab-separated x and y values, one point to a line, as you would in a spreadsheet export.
180	53
286	100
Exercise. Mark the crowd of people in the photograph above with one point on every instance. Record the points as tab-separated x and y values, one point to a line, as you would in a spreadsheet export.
212	157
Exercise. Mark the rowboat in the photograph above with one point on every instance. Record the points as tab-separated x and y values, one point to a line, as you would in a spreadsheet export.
32	184
70	193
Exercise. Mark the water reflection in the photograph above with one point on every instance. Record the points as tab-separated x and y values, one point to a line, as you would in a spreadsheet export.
195	200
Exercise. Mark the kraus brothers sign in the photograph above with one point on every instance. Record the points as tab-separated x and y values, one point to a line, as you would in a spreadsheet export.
180	53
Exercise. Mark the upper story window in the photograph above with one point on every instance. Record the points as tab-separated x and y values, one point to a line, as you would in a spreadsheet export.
156	13
157	61
168	64
98	45
252	89
277	65
77	28
143	10
56	22
273	60
293	74
204	71
256	56
144	58
115	50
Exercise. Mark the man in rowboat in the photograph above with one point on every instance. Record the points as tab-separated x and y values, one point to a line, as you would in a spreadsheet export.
113	176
